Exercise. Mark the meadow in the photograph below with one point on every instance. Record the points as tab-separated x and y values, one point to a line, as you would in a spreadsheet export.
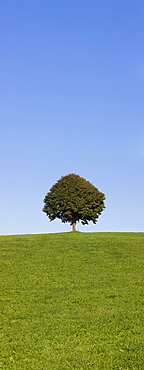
72	301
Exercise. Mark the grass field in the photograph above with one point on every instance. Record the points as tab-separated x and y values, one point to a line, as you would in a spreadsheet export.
72	301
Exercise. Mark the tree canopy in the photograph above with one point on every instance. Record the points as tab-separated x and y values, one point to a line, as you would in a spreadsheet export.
73	199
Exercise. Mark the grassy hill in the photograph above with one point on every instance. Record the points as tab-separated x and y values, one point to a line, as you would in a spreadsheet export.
72	301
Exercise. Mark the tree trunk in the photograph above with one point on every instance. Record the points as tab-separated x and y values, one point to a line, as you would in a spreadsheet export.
74	226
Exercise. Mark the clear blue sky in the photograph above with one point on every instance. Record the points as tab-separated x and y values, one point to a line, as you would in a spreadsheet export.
71	101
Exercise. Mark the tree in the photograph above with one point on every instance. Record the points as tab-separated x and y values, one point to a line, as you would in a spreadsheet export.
73	199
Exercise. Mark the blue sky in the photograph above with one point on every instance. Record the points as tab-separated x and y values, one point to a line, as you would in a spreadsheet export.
72	101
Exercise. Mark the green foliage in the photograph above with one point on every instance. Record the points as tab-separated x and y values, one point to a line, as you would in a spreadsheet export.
72	301
74	199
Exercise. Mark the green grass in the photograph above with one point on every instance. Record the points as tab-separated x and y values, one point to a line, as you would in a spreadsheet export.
72	301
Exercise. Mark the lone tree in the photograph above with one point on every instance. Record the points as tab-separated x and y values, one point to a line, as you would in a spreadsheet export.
73	199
